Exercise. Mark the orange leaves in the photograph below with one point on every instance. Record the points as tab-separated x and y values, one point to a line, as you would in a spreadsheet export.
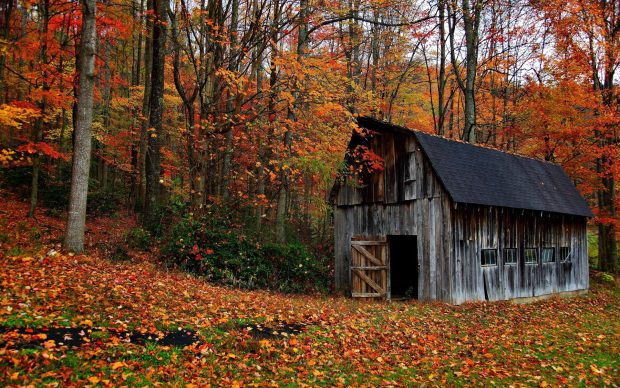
15	116
43	148
345	342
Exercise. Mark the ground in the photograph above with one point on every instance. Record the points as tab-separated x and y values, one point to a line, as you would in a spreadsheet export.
314	340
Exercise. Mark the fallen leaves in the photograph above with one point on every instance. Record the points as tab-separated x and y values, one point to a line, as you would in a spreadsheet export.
338	341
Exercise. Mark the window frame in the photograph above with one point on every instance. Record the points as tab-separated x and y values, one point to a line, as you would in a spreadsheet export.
515	256
410	171
565	258
482	257
525	251
553	257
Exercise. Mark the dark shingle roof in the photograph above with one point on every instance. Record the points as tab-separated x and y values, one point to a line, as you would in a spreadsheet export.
478	175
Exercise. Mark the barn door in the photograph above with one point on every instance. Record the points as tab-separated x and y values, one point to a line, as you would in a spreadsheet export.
369	268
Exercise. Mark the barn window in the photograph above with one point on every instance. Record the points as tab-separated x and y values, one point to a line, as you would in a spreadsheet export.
565	254
531	255
548	255
489	257
510	256
410	177
411	167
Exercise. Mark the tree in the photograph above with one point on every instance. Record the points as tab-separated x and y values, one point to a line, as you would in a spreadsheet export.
156	111
587	35
471	12
74	235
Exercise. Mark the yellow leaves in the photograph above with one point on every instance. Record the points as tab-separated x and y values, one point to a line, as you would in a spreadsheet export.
596	370
117	365
14	117
407	344
11	158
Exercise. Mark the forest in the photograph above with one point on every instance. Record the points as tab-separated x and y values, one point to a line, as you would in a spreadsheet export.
143	137
244	108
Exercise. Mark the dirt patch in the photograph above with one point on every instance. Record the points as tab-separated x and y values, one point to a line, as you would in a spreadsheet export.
19	338
273	330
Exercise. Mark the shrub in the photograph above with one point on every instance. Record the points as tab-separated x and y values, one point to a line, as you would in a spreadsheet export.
210	247
606	278
54	190
104	201
139	238
119	253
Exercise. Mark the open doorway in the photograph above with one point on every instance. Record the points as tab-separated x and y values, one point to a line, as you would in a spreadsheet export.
403	266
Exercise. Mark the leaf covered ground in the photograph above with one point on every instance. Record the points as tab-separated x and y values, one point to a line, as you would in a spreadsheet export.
337	341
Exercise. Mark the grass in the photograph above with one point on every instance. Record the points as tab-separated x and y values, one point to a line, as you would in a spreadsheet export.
558	341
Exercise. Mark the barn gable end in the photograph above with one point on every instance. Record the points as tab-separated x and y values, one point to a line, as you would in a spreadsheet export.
432	190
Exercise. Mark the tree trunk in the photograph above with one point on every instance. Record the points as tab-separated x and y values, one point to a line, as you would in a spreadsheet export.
441	79
607	240
8	9
230	106
190	111
153	152
471	64
471	23
74	237
38	128
146	103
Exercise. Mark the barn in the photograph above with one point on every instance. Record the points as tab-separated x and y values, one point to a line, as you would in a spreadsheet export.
451	221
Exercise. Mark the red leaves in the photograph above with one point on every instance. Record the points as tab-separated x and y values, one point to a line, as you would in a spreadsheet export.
43	148
346	342
197	252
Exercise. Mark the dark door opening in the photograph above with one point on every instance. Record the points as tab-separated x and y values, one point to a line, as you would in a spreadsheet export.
403	266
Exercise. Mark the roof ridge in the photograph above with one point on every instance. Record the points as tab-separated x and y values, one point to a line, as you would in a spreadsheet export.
478	145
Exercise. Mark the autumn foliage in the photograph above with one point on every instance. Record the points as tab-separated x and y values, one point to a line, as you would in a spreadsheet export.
247	111
341	342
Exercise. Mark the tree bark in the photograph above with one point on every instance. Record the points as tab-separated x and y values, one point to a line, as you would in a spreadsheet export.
7	9
38	128
606	195
190	111
74	237
471	22
153	152
230	106
146	104
441	79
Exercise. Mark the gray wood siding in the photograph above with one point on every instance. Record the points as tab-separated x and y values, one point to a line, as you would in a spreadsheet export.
479	228
417	207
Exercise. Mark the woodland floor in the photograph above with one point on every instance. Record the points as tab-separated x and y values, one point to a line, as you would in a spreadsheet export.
89	319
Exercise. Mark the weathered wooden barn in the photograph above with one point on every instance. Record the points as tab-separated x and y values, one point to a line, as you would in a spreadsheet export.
447	220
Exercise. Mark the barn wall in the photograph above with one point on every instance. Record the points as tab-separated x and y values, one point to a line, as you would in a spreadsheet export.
406	200
478	228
